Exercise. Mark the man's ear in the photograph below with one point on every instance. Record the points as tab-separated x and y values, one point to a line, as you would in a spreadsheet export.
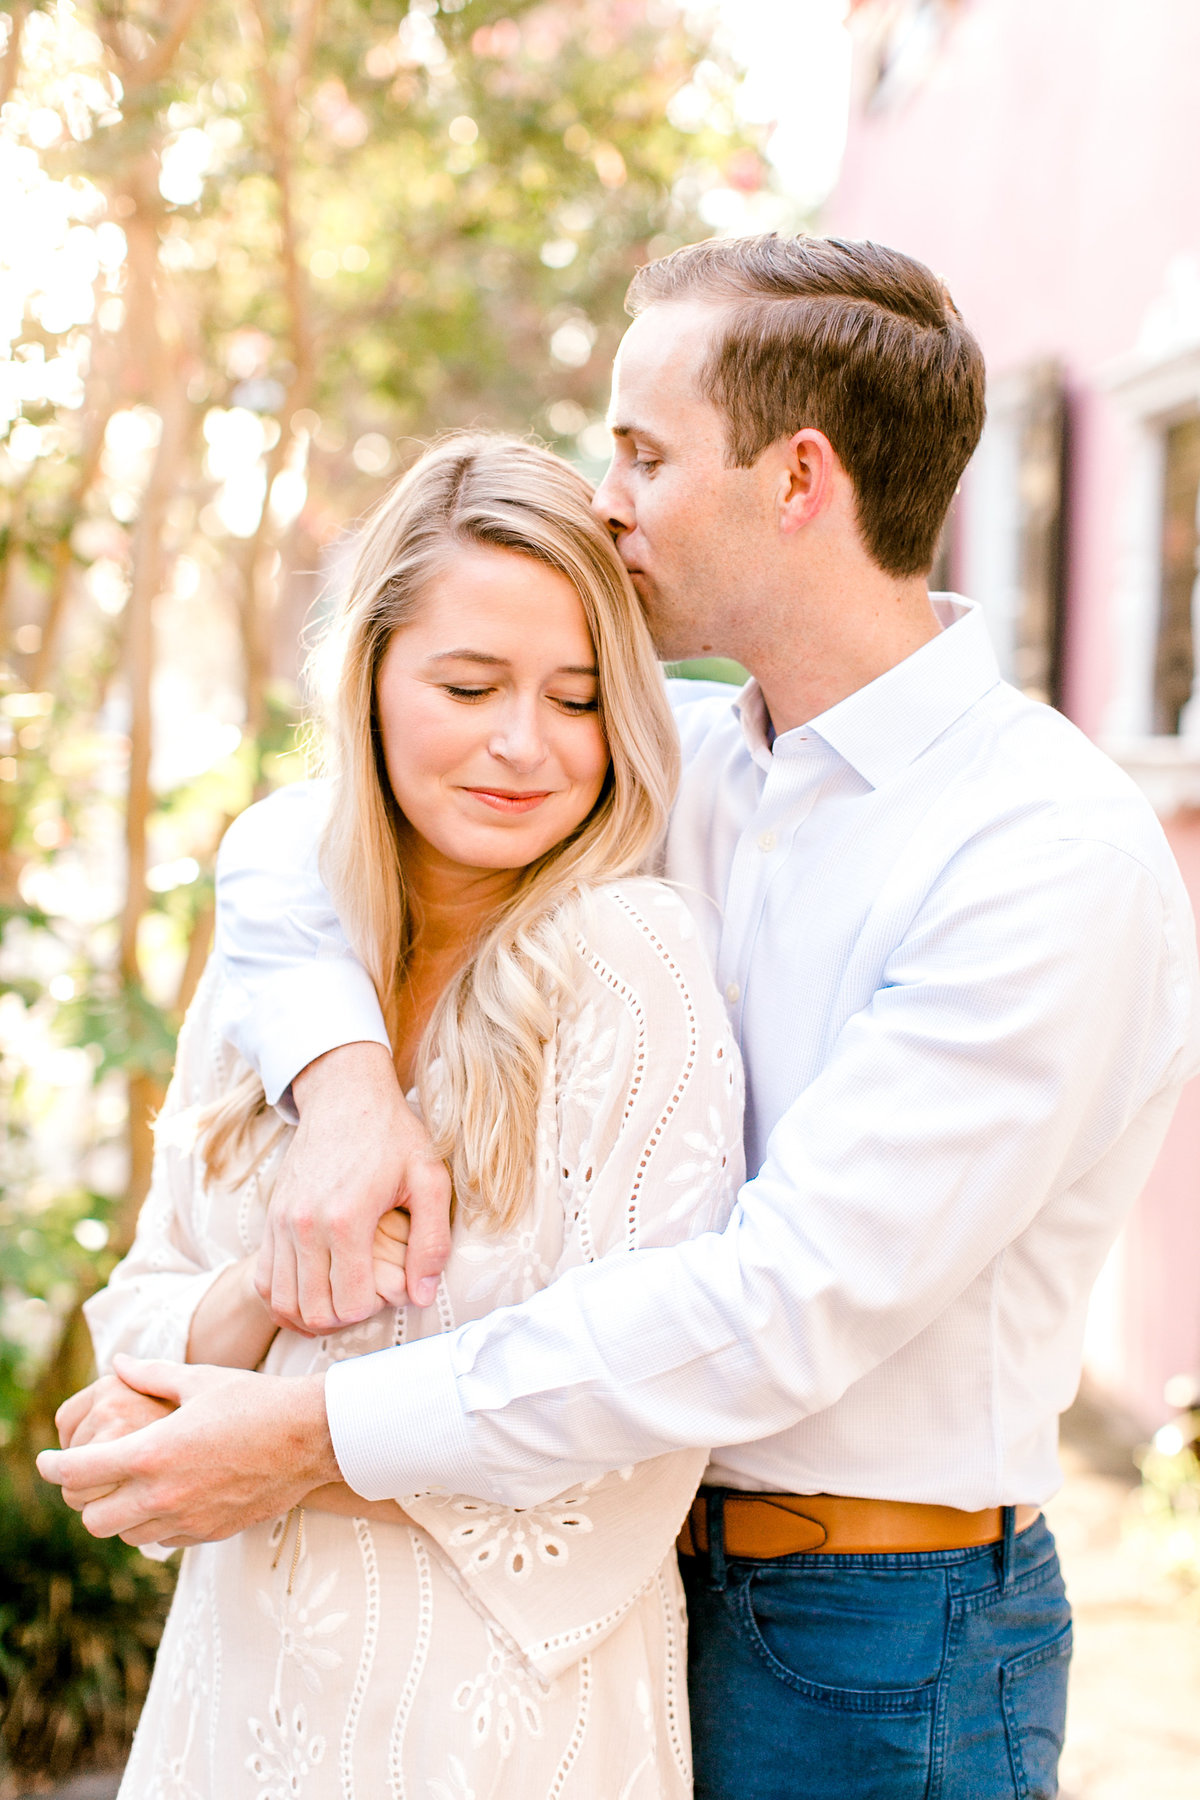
806	479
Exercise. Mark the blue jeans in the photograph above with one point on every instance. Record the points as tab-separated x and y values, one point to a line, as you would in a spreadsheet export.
934	1676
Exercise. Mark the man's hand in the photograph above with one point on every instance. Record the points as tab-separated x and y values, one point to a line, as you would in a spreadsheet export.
359	1152
237	1449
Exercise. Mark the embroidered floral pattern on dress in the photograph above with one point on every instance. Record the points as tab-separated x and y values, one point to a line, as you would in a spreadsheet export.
503	1700
287	1752
707	1174
298	1616
513	1265
479	1652
188	1686
518	1538
455	1786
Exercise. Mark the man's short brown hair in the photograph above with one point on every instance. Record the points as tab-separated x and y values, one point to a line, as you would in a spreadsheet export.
859	342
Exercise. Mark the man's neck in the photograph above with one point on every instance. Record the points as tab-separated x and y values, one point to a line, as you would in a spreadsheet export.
849	642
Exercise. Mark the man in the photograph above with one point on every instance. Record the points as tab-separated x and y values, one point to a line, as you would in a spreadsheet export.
962	969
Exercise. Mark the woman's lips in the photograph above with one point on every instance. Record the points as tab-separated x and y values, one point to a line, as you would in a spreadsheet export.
503	802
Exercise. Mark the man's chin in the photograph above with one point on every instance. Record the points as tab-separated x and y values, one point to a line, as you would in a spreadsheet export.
669	642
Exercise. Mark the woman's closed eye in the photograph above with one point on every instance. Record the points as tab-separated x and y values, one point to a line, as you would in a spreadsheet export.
571	704
466	693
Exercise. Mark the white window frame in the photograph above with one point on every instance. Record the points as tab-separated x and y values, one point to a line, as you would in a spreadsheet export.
1150	396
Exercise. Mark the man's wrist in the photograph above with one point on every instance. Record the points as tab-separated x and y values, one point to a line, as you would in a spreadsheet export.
359	1064
315	1442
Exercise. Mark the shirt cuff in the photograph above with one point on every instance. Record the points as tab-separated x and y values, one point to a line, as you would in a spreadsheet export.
397	1423
299	1014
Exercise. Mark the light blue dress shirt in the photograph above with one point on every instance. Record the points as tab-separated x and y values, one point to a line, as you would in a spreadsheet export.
961	965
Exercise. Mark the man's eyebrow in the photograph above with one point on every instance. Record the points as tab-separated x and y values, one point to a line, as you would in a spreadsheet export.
638	431
487	661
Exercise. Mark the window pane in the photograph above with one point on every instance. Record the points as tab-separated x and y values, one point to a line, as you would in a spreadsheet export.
1176	663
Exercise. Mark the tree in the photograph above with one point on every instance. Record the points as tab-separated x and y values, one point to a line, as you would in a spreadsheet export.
256	250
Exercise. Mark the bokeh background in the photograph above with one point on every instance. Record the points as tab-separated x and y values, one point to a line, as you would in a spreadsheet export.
252	253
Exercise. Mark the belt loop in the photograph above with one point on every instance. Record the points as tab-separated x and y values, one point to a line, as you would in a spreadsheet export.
1009	1531
714	1518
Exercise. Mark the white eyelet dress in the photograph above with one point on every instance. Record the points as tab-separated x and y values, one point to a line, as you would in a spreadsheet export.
478	1652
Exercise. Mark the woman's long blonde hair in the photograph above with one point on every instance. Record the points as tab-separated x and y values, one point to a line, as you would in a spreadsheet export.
480	1062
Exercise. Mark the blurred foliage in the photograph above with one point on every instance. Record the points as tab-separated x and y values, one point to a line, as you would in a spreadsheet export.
709	668
79	1622
1165	1529
253	254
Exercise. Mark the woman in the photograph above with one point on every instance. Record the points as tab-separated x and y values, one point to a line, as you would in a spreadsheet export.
503	762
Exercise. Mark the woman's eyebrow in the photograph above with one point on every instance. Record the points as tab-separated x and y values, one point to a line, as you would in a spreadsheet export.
475	656
502	662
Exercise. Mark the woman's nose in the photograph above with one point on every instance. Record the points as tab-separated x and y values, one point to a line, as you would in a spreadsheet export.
518	739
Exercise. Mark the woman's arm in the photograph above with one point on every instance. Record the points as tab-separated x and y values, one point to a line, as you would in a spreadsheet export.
231	1326
338	1498
190	1230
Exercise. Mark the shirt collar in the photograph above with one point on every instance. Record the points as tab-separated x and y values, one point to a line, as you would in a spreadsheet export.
885	726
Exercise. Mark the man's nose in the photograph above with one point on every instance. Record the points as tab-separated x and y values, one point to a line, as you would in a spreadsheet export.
611	503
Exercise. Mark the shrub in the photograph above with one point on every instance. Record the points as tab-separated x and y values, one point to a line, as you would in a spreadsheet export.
80	1620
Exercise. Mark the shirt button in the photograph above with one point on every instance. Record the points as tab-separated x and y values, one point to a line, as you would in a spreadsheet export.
732	992
767	842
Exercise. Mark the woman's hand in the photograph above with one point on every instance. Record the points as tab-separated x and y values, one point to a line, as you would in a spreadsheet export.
389	1253
100	1414
235	1449
104	1411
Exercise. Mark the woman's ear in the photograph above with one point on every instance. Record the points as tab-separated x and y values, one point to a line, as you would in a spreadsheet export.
806	479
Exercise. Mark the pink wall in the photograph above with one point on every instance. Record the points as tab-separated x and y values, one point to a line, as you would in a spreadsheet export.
1048	166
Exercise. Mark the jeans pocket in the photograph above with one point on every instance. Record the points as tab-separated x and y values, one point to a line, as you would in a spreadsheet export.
1034	1691
853	1641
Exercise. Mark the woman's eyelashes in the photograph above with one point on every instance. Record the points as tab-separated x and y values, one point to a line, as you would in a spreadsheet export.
567	703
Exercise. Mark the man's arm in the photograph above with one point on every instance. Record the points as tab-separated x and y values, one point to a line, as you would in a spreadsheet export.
1029	1016
303	1012
1033	1010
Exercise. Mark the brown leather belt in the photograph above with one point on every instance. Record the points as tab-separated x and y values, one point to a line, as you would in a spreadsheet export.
763	1525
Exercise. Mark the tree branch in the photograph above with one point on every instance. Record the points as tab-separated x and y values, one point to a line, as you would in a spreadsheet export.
280	98
143	71
10	68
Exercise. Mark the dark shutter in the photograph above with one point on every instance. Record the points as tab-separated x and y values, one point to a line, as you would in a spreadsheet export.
1037	649
1026	413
